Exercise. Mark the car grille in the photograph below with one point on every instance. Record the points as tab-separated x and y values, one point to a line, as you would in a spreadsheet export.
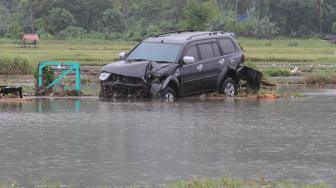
124	79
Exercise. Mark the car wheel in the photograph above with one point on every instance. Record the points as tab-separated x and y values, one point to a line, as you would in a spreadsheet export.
168	95
229	88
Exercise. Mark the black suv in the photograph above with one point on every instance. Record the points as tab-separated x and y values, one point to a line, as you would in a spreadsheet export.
177	64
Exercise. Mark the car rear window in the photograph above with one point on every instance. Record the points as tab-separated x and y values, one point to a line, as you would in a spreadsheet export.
227	46
206	51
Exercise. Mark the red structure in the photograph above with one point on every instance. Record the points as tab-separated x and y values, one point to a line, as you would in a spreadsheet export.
29	39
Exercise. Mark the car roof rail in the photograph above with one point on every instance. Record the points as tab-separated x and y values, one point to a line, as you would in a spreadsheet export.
198	35
212	33
163	34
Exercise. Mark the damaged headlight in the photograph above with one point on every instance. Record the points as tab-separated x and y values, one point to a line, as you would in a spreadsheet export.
104	76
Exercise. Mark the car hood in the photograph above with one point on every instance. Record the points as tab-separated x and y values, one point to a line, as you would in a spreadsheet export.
138	69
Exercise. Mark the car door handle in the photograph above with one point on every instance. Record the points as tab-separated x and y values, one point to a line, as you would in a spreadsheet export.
199	67
232	60
221	61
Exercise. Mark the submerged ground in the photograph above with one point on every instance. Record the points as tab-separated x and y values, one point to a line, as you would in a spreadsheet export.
88	143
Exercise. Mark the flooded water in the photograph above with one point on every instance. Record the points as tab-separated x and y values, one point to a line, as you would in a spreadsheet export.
90	143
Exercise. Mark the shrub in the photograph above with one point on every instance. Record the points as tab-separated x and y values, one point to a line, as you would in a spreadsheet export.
113	21
198	15
265	28
16	65
320	79
95	35
79	33
59	19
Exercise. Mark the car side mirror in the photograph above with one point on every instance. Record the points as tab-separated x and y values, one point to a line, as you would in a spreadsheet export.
188	59
122	55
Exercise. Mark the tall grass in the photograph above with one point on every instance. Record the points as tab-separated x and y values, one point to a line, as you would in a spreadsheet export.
321	78
15	65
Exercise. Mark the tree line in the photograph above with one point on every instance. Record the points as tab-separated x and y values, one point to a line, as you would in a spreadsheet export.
136	19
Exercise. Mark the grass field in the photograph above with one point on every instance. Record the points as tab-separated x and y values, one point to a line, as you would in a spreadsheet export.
85	52
102	52
273	57
289	51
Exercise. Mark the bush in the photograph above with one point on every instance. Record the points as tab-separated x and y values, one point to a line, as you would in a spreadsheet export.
253	26
198	15
265	28
15	31
79	33
113	21
59	19
16	65
95	35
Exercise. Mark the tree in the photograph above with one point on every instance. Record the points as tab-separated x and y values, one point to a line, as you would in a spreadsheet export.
197	15
87	13
113	21
4	15
59	19
290	15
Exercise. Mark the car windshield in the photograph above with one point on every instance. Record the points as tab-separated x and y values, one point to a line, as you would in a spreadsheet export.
159	52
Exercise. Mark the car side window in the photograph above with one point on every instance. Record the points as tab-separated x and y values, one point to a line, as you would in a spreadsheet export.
192	51
227	46
206	51
216	49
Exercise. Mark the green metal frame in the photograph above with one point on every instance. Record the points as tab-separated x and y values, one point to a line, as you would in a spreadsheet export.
72	67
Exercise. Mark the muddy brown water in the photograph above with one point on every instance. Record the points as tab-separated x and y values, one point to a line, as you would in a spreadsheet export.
90	143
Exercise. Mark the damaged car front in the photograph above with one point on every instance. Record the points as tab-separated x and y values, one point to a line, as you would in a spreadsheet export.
143	72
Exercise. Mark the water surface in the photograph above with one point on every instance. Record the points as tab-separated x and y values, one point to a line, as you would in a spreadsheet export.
91	143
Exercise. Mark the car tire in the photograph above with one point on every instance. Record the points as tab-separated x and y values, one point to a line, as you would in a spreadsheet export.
229	88
168	95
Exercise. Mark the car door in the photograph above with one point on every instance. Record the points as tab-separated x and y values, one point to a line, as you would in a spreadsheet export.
191	74
229	48
211	63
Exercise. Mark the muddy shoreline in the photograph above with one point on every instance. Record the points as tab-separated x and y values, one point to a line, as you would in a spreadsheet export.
90	85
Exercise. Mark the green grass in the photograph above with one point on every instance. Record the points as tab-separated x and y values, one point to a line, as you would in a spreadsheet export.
270	71
102	52
278	52
85	52
15	65
321	78
284	51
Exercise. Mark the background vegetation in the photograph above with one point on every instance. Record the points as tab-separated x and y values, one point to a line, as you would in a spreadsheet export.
136	19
